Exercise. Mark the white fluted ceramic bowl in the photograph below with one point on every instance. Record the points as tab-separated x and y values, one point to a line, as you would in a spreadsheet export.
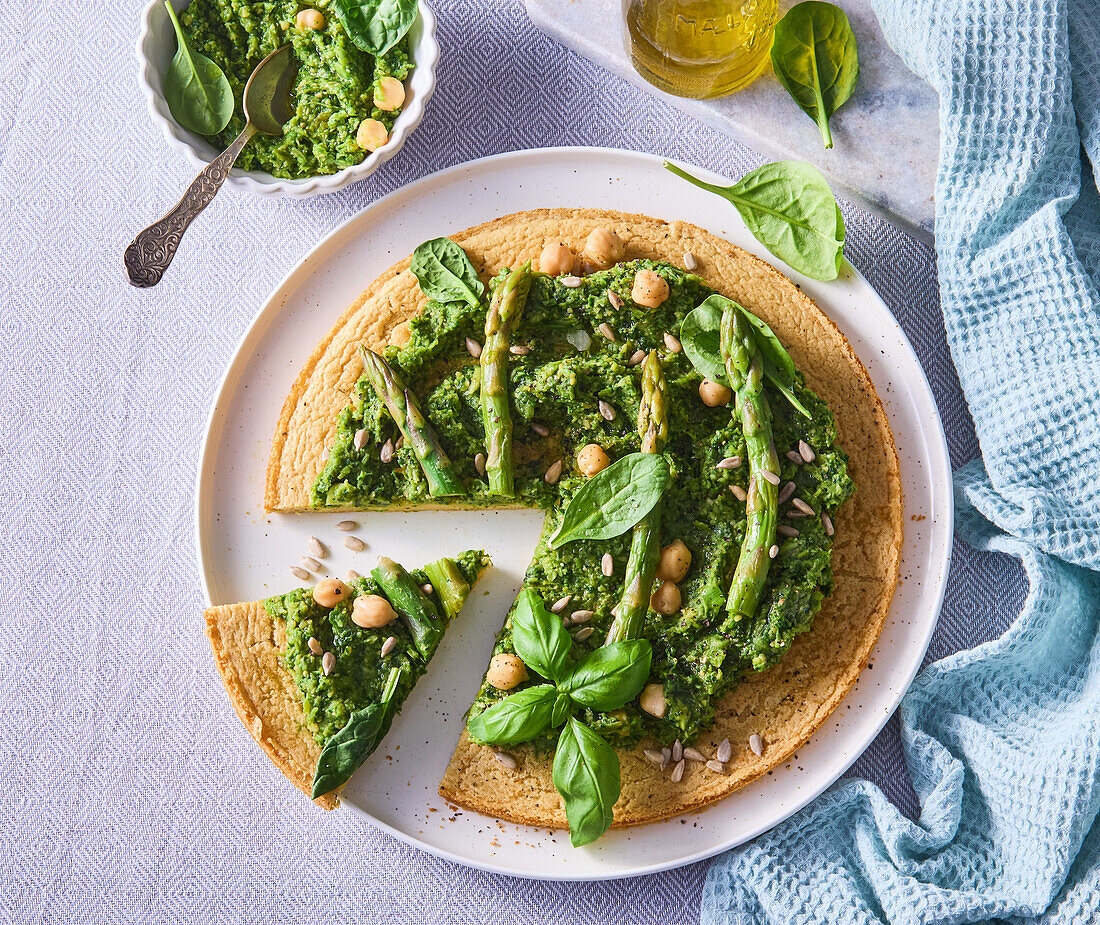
156	46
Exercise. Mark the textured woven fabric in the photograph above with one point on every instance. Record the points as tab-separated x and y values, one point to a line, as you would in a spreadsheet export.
1002	742
129	792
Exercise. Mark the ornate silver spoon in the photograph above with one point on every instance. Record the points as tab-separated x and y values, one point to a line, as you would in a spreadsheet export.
266	108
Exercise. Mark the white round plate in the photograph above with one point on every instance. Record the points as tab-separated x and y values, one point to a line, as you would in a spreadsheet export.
245	554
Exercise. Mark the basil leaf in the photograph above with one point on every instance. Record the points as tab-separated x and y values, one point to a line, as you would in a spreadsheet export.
519	717
814	57
706	322
609	676
445	273
539	638
790	209
586	774
563	709
195	88
614	500
376	25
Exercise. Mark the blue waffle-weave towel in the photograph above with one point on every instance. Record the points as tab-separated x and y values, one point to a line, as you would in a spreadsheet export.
1002	742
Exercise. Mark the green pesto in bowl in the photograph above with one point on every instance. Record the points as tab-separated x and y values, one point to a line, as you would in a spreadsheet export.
333	90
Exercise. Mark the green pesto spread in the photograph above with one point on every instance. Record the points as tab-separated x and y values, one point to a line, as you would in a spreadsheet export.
333	90
360	671
699	653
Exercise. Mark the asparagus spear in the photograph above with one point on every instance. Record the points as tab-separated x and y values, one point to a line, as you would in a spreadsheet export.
744	367
418	433
505	309
412	604
450	585
645	548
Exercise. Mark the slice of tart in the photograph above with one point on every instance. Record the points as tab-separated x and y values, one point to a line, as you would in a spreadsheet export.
318	674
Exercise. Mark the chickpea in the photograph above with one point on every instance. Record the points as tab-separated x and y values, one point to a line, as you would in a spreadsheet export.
389	94
310	19
372	611
714	394
603	248
592	459
506	671
371	135
556	260
330	591
652	700
674	562
650	289
666	599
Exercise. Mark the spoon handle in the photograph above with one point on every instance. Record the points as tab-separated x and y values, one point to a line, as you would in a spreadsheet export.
149	254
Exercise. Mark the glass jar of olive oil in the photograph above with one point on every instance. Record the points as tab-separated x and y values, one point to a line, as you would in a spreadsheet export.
699	48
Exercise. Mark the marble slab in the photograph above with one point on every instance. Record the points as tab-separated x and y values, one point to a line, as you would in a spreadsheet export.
885	139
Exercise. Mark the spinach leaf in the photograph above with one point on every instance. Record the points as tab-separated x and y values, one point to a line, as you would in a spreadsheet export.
359	737
614	500
610	676
195	88
519	717
586	774
814	57
376	25
789	208
539	638
445	273
700	337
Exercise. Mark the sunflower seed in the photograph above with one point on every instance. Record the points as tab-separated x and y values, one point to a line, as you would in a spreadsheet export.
473	347
607	565
328	662
606	411
636	357
689	260
770	476
785	492
388	646
359	439
738	492
800	505
613	298
346	525
677	750
756	744
427	587
386	453
583	634
354	544
561	603
505	759
725	751
607	331
310	563
553	473
479	464
353	575
655	756
716	766
314	645
795	457
793	513
785	531
300	573
672	343
400	443
519	350
806	451
730	462
541	429
666	754
582	616
693	754
827	521
317	547
773	552
570	282
678	771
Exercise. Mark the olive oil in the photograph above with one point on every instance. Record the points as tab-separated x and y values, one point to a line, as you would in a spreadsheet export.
699	48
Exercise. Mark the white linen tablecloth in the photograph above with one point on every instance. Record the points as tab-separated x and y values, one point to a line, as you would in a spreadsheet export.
129	792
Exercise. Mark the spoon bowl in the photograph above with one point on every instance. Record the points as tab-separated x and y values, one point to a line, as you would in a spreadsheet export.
266	97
